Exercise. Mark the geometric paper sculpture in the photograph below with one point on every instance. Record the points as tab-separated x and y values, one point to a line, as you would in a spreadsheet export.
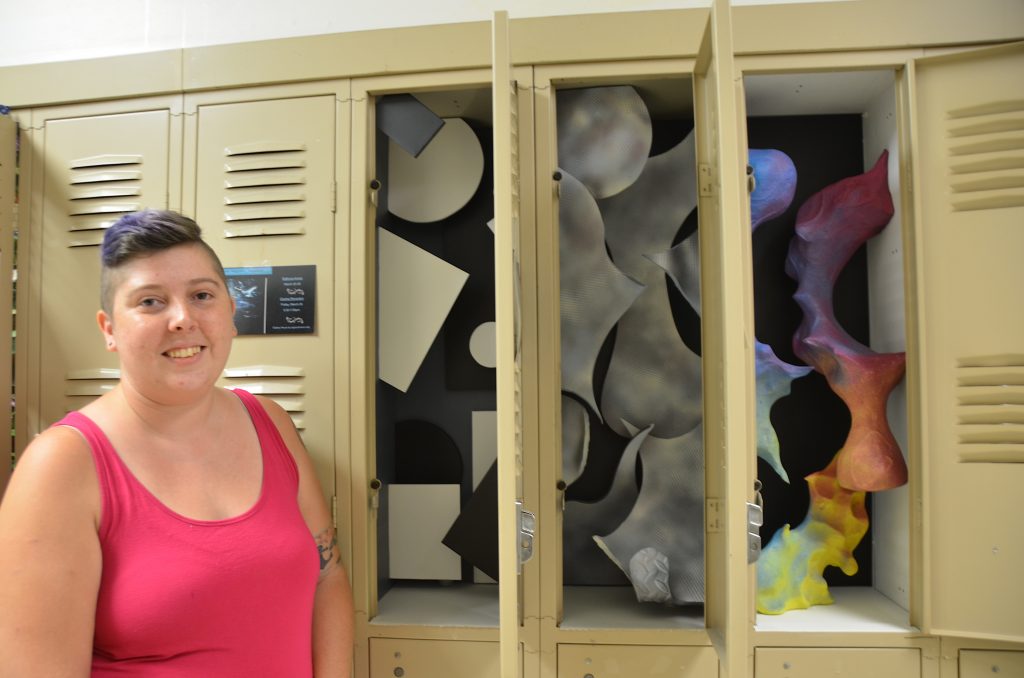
789	571
441	180
594	293
407	122
474	533
418	517
482	344
660	545
653	377
604	136
575	439
582	560
425	454
773	382
415	292
831	225
485	443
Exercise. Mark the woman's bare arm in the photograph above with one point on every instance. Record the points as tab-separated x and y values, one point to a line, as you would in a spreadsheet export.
50	560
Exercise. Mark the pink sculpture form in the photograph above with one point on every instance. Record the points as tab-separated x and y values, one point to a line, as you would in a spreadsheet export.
830	227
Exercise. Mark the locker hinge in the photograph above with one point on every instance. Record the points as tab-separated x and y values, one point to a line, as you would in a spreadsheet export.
755	519
527	524
334	198
334	512
713	514
705	183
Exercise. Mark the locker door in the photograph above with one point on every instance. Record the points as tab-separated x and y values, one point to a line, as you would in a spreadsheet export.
969	185
8	139
97	168
264	191
727	341
515	532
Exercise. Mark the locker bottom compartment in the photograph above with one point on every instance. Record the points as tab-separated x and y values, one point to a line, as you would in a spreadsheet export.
989	663
636	661
407	658
796	662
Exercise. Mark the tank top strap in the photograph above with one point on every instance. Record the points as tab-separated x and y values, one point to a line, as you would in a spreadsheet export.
276	455
111	474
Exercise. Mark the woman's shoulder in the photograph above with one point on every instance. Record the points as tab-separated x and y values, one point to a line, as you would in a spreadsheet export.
57	467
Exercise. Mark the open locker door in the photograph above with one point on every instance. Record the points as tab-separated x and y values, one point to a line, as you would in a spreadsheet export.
8	141
515	525
968	109
728	346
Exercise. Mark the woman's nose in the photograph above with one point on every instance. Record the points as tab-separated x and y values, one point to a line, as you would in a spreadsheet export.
181	316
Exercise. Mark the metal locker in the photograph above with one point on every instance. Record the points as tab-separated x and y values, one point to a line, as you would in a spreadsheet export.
264	182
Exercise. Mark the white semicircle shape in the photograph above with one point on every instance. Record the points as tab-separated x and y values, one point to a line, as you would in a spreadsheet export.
483	344
439	182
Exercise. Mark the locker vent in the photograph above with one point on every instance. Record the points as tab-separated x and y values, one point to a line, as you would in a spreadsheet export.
990	408
102	188
264	184
986	149
285	384
83	386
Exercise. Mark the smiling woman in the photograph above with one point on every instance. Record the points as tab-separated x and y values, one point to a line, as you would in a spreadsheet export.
170	527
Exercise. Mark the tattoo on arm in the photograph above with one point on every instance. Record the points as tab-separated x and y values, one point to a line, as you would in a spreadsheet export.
327	545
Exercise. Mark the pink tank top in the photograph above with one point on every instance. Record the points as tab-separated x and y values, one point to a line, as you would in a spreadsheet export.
221	598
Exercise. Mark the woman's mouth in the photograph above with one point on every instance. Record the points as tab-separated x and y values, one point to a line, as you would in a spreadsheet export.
184	352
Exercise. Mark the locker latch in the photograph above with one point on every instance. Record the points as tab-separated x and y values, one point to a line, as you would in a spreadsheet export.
755	519
527	523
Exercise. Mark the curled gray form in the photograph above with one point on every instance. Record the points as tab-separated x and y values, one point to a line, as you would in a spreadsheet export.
582	561
653	377
604	136
668	518
682	263
594	293
575	439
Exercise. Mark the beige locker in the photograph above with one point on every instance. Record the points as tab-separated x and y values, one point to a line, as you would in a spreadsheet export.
418	595
409	658
636	661
787	662
264	183
93	169
969	201
678	95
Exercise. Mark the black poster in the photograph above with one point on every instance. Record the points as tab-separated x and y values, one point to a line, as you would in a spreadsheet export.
274	299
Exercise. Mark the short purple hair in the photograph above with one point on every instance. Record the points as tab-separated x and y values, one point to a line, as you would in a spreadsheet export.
141	234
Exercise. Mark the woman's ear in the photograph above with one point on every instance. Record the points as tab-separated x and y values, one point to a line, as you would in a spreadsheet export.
107	328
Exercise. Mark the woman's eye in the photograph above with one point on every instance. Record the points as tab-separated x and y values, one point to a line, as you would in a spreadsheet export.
204	296
148	302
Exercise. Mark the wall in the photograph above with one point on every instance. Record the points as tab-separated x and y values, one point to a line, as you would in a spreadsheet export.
59	30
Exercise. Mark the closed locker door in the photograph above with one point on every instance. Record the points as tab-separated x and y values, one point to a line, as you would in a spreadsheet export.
97	168
970	367
264	191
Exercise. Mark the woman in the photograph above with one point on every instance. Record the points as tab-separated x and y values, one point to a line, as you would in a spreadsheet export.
170	527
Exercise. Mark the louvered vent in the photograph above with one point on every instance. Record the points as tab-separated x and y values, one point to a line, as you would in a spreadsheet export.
990	408
102	188
264	186
83	386
986	149
285	384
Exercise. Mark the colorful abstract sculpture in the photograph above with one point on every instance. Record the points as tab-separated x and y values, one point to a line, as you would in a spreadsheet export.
774	378
789	571
830	227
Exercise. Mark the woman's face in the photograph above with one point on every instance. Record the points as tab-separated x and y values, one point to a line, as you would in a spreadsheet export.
171	323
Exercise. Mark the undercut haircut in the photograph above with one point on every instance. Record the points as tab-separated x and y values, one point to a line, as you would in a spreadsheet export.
141	234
